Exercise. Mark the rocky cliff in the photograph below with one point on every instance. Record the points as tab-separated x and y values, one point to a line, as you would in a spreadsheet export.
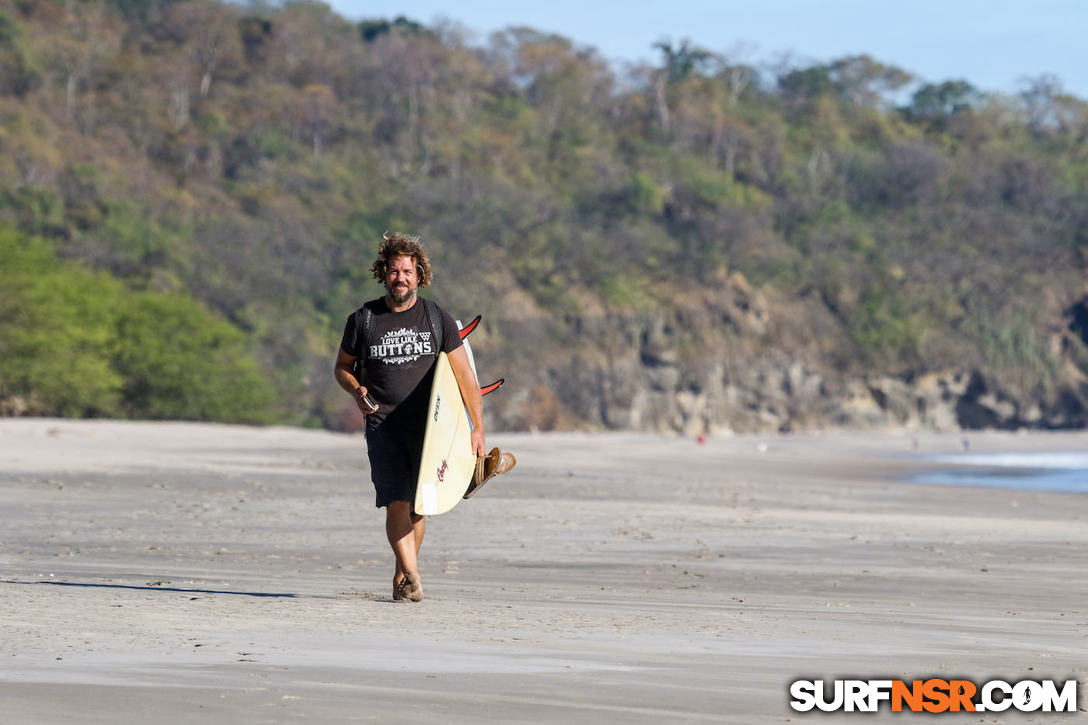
735	361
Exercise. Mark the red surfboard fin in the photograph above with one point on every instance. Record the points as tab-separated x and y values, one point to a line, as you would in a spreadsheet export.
467	329
494	386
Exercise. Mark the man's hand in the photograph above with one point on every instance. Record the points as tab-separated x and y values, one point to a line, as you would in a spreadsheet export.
478	446
345	378
361	400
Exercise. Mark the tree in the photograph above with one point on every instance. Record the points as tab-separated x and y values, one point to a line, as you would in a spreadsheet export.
805	83
934	103
76	343
315	110
859	80
177	362
679	64
863	81
90	40
211	38
55	338
1050	108
371	30
18	69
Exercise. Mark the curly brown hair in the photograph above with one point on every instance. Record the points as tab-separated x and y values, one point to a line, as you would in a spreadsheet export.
395	245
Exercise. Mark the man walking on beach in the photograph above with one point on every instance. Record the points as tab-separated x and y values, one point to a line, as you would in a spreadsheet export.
397	338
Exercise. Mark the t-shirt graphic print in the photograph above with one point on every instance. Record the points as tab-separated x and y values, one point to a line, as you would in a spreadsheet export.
397	347
400	360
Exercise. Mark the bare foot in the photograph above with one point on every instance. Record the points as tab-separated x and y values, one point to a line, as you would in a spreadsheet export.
412	588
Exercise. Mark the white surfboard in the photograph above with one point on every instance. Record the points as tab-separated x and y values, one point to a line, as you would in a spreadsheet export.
447	463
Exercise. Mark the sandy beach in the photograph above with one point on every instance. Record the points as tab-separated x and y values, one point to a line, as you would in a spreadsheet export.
178	573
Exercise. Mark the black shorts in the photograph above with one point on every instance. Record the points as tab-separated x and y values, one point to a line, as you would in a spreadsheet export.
394	462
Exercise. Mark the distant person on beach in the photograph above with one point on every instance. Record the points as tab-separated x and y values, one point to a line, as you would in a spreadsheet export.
395	340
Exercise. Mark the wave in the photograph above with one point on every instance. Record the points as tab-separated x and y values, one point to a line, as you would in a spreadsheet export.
1037	471
1065	460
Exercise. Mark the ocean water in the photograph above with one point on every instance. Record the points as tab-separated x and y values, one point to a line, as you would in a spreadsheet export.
1063	471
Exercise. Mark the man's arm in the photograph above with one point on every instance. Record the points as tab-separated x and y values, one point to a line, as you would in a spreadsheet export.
470	393
346	380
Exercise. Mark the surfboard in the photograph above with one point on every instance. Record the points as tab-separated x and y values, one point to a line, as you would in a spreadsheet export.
447	463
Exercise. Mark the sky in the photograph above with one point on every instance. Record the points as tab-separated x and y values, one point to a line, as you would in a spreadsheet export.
993	44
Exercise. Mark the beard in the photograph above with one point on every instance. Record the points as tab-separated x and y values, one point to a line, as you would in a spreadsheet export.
401	294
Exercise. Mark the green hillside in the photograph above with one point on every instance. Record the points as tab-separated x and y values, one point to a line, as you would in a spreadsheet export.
191	193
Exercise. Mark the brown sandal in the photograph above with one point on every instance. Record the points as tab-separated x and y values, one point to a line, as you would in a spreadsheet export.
487	467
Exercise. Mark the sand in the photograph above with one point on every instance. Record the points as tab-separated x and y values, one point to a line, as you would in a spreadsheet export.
177	573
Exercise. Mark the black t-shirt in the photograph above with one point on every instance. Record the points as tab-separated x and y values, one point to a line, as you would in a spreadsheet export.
400	363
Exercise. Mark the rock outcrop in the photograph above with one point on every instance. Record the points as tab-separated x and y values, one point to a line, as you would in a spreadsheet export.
718	366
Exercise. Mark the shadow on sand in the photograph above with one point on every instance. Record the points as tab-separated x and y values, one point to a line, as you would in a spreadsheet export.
156	588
